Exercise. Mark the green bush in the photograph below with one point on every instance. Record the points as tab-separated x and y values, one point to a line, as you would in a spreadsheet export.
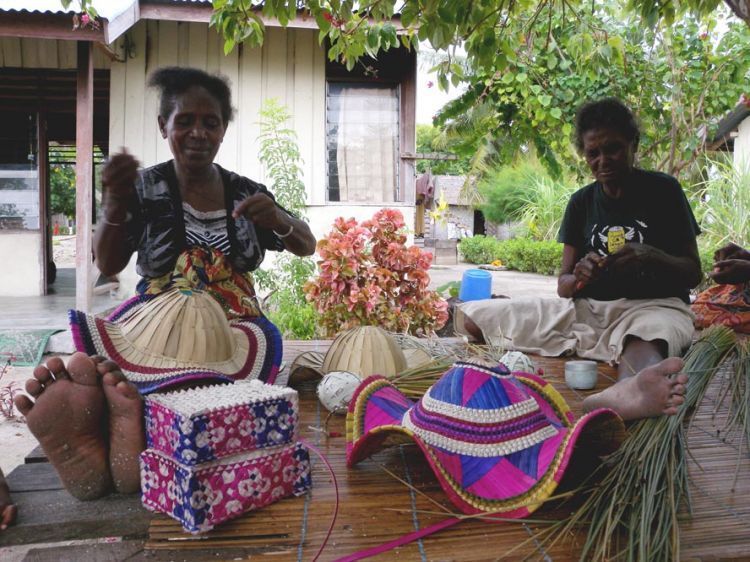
521	254
505	189
534	256
478	249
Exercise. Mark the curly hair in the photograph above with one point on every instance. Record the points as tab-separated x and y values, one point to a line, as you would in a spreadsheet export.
172	81
607	113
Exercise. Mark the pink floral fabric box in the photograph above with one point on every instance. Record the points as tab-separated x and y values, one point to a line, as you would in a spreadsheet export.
203	424
204	496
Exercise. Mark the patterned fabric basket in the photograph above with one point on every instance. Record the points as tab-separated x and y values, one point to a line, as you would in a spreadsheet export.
204	496
207	423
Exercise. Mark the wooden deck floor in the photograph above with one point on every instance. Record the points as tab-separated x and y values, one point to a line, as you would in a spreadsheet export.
375	507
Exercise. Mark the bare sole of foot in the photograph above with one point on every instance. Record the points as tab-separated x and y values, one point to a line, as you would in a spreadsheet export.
652	392
127	437
68	417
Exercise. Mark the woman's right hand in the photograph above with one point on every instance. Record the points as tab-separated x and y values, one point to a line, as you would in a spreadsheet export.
588	269
118	180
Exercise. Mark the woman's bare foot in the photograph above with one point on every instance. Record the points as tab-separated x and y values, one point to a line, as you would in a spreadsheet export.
650	393
126	429
69	420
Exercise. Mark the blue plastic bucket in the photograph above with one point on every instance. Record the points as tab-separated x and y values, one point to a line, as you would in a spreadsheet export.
476	284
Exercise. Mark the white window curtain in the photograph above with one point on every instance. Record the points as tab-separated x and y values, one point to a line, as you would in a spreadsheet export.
363	142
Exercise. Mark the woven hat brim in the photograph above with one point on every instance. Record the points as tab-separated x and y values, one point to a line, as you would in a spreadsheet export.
374	422
257	354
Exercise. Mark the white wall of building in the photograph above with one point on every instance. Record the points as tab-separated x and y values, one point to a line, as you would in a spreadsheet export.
742	146
22	277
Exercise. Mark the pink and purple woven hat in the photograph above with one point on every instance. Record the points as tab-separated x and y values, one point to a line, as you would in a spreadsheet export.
497	442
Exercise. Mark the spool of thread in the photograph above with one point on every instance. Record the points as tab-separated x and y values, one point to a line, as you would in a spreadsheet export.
476	284
581	375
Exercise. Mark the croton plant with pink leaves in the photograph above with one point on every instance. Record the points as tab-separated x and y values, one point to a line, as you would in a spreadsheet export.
368	276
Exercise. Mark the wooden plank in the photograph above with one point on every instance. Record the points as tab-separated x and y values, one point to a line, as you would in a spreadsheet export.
29	53
248	107
197	45
90	552
228	155
12	52
66	54
84	168
274	65
318	157
133	116
167	56
301	105
35	456
48	53
117	90
34	477
152	139
50	515
183	43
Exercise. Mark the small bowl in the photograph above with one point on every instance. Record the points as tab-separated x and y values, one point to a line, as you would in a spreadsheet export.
581	375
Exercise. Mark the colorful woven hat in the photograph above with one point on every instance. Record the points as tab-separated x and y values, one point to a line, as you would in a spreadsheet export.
178	336
497	442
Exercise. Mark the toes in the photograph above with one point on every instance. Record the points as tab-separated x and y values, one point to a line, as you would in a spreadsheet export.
23	403
107	366
677	400
128	390
112	378
43	375
678	389
82	370
670	365
34	387
57	368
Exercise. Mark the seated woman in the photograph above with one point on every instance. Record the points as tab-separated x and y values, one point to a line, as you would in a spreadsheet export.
629	260
197	229
728	302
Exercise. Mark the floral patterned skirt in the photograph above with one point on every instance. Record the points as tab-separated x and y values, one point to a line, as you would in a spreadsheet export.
728	305
211	271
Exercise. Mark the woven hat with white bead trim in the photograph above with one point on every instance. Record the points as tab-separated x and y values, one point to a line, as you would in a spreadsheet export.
497	442
178	336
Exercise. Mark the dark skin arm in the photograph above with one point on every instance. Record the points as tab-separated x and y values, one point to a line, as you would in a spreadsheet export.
111	246
681	271
731	265
8	509
263	211
577	271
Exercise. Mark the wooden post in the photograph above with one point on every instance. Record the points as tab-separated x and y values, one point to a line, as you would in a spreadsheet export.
84	168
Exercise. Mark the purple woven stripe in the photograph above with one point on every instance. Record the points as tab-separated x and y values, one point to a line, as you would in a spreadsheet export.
476	433
82	339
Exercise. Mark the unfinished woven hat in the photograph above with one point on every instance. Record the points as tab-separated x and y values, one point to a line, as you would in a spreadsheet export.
497	442
178	336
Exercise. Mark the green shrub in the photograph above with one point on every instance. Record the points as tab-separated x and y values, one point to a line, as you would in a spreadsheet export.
534	256
521	254
478	249
505	189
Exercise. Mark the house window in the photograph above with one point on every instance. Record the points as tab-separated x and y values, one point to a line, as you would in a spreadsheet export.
19	173
362	142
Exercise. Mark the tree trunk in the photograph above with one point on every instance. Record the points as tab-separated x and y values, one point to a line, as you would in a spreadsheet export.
741	9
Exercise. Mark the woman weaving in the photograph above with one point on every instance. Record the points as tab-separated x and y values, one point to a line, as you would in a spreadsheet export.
629	260
198	231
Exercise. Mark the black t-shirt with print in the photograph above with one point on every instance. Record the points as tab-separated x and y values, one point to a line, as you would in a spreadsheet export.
653	211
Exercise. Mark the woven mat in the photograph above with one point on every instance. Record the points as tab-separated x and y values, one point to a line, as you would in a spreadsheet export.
24	348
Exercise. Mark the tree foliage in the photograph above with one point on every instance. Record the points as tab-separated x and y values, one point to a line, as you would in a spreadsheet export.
62	179
428	141
678	79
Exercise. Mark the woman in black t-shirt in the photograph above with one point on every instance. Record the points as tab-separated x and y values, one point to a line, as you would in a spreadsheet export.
629	259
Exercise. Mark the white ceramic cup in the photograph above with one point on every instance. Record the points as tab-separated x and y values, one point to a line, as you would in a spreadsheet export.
581	375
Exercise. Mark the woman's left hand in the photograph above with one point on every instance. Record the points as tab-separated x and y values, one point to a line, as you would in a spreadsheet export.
632	257
731	271
261	210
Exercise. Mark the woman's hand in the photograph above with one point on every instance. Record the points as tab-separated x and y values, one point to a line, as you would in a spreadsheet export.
118	181
261	210
731	252
632	258
731	271
588	269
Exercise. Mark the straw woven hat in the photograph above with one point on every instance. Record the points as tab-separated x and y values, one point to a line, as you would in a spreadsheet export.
180	335
497	442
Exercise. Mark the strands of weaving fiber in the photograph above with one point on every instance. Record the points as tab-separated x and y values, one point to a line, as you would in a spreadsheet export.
631	514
